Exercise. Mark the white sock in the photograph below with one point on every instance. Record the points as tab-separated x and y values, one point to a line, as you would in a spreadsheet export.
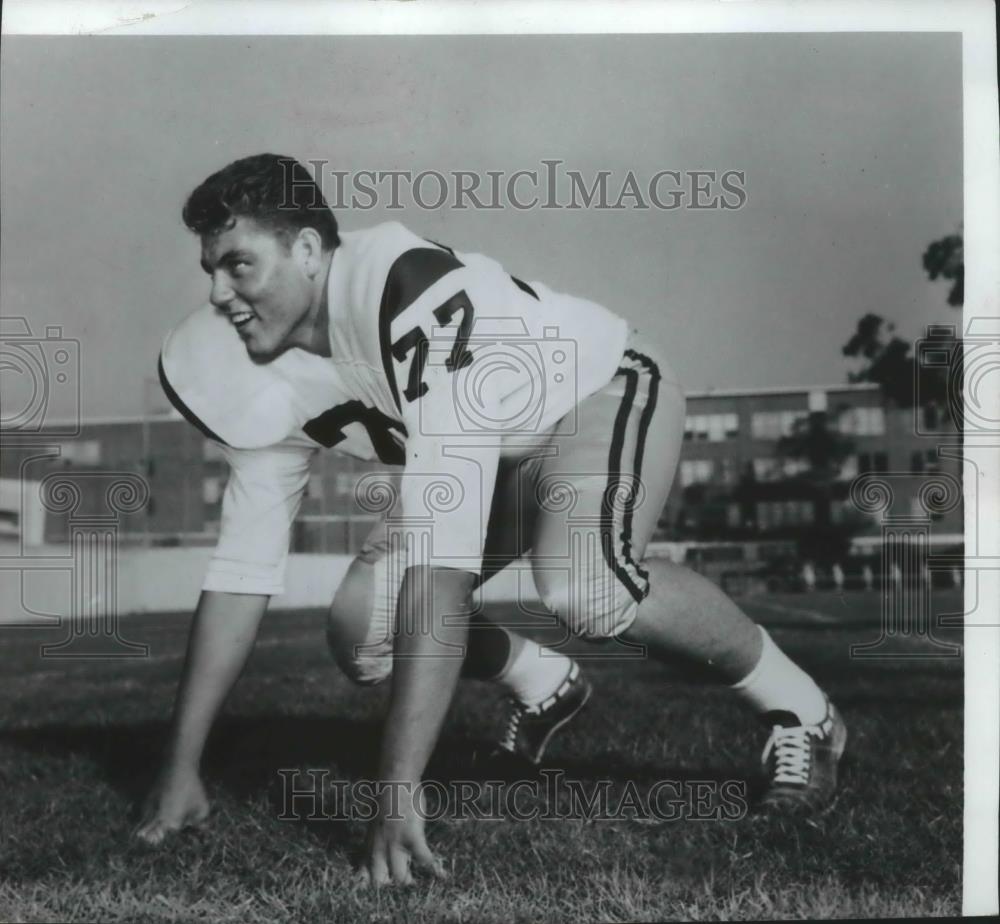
778	683
536	673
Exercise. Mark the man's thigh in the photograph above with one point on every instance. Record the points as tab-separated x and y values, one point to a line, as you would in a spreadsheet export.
601	492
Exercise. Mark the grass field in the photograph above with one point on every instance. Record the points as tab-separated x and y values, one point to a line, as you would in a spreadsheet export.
79	740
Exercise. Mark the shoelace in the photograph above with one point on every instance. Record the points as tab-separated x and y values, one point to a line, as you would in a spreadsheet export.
792	753
517	712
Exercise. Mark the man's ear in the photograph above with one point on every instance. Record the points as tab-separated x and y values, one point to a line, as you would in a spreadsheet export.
308	251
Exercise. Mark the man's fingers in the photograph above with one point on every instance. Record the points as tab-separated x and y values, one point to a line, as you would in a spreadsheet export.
152	832
426	860
392	856
376	868
399	865
154	828
198	816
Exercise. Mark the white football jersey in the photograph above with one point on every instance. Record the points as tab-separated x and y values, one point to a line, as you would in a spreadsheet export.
441	362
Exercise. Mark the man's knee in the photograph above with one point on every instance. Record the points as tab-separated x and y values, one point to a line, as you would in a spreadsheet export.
364	668
357	633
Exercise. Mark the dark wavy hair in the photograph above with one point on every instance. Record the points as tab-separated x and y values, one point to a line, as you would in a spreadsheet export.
274	190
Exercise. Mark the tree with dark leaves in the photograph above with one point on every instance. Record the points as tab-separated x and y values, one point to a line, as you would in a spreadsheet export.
888	359
946	259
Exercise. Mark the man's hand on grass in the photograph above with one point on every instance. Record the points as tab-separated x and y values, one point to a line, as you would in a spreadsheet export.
177	801
396	845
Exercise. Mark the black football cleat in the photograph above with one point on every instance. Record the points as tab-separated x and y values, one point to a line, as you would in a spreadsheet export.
800	762
530	728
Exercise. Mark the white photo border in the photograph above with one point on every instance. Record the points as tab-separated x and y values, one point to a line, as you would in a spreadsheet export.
974	19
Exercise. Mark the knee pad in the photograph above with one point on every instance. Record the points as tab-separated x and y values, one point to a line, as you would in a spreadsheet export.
364	668
592	608
366	662
361	625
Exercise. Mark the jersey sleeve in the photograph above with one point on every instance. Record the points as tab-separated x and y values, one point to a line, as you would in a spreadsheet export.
260	503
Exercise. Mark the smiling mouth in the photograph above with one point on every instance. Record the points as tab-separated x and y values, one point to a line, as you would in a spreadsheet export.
241	318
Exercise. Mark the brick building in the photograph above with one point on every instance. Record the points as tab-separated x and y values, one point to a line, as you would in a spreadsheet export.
735	481
186	476
732	482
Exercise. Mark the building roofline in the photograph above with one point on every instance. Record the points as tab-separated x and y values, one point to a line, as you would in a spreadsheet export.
66	423
172	415
778	390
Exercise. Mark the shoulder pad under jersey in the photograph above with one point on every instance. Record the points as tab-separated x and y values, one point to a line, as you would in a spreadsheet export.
211	380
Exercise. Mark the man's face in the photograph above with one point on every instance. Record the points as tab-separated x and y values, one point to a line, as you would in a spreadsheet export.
259	284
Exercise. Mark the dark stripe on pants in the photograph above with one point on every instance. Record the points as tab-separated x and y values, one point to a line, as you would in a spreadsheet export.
640	449
619	556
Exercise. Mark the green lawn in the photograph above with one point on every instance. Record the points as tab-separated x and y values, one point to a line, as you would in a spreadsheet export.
78	741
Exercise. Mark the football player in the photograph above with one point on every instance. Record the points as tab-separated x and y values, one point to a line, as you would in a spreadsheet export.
527	423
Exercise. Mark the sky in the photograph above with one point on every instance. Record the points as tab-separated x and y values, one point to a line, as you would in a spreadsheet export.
850	145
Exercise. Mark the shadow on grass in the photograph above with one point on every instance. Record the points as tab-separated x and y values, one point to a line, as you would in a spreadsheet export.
244	752
245	755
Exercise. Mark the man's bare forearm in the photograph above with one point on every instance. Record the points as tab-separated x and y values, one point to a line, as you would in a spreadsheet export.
222	637
427	664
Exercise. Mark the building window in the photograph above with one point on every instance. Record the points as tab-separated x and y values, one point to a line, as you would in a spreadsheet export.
346	482
818	401
772	514
771	468
791	467
863	421
877	462
734	517
712	428
728	471
849	468
696	471
765	515
841	511
211	490
81	452
772	425
765	469
314	487
924	461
